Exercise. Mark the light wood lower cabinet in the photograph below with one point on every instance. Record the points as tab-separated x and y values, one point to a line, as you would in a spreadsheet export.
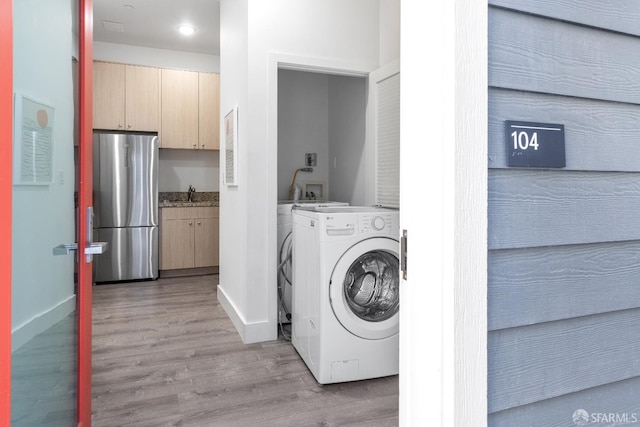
206	242
189	237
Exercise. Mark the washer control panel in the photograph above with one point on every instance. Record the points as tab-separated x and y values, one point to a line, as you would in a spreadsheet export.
376	222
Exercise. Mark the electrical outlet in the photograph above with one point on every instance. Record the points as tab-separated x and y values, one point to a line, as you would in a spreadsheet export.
310	159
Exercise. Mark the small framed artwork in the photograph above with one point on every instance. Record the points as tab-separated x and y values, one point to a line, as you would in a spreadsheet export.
33	142
231	148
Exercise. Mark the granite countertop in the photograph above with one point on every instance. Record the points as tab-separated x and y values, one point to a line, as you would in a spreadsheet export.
169	204
179	199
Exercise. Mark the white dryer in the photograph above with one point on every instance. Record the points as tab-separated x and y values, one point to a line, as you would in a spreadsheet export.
284	253
346	293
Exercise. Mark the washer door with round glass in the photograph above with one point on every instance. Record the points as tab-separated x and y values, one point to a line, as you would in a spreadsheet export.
365	288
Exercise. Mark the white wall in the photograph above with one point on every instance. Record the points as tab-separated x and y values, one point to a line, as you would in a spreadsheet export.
347	143
332	34
42	284
303	127
161	58
389	31
323	114
180	168
235	263
177	168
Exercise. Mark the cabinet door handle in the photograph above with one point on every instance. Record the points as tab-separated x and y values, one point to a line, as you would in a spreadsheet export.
202	145
195	146
190	223
199	222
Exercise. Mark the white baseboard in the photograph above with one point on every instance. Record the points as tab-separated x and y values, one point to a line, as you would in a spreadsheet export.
249	332
39	323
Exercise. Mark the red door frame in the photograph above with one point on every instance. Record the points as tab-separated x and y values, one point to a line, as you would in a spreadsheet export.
6	158
84	200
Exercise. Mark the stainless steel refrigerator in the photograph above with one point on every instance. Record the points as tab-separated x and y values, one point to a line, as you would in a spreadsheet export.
125	198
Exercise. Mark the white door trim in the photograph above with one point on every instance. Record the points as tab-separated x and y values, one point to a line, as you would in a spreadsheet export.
443	335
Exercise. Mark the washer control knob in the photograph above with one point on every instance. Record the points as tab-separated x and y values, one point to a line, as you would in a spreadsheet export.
377	223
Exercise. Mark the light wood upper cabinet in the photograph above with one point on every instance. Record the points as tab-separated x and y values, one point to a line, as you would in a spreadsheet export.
126	97
108	96
179	109
142	98
183	106
209	111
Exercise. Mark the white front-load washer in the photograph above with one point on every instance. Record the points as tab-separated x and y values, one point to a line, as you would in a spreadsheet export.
346	291
285	252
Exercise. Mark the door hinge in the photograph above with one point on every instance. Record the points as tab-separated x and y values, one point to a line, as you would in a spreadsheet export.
403	254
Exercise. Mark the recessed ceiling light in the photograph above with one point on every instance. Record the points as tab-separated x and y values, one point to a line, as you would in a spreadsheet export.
186	29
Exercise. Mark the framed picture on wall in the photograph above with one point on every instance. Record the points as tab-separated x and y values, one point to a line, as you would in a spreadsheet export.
33	142
231	148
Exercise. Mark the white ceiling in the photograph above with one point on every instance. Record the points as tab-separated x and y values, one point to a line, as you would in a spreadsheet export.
153	23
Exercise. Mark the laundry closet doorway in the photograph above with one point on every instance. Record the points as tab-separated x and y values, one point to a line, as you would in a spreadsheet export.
322	116
338	137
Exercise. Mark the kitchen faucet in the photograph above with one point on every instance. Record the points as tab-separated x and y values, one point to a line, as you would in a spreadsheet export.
190	193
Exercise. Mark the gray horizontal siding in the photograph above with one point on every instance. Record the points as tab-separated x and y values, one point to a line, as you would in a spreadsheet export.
530	208
621	15
536	285
564	245
543	361
619	398
543	55
599	135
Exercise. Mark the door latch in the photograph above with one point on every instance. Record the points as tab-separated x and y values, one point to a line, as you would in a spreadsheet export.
95	248
403	254
92	248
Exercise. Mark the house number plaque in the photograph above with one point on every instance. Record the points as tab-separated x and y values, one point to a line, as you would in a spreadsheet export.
535	145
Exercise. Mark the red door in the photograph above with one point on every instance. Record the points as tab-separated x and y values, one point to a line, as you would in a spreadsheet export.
38	180
85	199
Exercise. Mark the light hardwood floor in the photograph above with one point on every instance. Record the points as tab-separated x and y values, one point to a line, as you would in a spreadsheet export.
166	354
